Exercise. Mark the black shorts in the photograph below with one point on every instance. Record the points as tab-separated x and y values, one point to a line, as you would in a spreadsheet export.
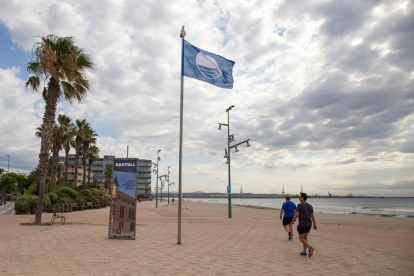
304	230
287	221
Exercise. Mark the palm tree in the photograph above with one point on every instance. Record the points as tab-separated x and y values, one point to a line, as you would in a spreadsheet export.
60	168
93	155
57	142
68	132
82	129
108	179
90	138
61	66
61	133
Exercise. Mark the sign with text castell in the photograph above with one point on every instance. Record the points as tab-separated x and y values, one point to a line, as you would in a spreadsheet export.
207	67
122	215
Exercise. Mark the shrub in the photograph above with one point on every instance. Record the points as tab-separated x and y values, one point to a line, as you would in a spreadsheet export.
105	200
86	193
69	191
96	192
61	195
32	190
53	197
24	203
101	201
94	201
81	187
47	204
80	201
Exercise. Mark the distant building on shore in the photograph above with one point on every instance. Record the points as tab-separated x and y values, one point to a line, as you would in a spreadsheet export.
71	169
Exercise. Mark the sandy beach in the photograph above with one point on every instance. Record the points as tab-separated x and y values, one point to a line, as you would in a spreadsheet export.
251	243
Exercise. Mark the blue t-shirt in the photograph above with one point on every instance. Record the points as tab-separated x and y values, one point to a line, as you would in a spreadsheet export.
289	208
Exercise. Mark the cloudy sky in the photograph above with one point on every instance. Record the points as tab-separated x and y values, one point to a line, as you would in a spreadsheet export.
324	89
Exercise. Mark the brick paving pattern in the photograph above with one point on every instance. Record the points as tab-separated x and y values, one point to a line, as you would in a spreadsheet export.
211	246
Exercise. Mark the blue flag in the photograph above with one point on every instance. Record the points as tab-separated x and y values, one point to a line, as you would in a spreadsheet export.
206	66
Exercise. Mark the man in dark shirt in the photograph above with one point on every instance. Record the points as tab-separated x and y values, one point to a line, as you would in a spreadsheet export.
288	208
305	213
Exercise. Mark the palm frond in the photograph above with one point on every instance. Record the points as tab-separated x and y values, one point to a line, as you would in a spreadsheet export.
34	83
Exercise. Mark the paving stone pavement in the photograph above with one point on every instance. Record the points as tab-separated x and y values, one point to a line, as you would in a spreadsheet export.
211	246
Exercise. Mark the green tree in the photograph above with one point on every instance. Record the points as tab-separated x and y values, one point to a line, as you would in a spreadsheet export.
93	156
82	129
108	178
62	131
1	171
8	182
61	66
33	177
90	138
68	135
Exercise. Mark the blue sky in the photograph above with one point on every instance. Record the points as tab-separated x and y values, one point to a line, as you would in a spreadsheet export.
11	55
322	88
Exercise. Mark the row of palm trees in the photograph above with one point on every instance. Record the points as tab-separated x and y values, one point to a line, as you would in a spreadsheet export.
58	69
67	135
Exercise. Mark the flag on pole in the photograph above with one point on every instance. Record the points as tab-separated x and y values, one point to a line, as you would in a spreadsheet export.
207	67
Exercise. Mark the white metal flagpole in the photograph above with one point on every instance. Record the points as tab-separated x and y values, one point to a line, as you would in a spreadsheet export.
180	166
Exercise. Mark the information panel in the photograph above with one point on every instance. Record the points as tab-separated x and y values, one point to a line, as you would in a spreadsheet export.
122	215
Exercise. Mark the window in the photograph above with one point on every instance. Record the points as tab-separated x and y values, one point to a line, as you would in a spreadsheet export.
121	212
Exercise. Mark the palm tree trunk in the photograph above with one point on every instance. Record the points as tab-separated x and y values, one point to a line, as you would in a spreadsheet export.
89	174
84	157
77	162
67	149
54	166
48	121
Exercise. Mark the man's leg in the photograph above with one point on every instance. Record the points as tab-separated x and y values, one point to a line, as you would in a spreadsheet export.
286	228
291	228
304	241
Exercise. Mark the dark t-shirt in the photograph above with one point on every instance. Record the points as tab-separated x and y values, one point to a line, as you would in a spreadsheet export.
305	210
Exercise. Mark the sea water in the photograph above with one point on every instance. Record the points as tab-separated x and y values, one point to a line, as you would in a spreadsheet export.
386	207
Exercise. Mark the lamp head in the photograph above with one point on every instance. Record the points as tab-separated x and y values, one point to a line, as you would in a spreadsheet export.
228	161
248	145
230	108
236	149
219	128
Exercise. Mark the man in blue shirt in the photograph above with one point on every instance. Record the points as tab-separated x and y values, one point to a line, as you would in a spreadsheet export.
289	209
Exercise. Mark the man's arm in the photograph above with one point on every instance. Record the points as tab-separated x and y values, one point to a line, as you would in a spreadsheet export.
295	217
314	221
281	213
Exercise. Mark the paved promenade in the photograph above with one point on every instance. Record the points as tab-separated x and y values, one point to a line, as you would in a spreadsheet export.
212	245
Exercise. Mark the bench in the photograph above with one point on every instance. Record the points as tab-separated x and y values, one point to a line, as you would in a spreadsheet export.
89	204
58	214
75	206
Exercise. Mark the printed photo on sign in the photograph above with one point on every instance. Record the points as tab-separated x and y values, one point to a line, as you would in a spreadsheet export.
123	200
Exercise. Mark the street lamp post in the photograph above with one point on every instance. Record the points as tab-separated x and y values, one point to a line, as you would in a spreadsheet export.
169	184
162	184
230	138
8	163
156	171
